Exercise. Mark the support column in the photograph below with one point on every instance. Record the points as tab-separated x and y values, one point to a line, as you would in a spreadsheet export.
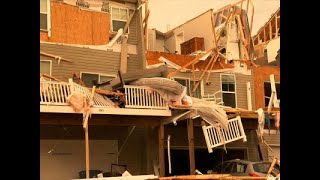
161	150
191	145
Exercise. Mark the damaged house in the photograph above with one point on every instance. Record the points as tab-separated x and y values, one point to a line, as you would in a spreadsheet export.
92	40
235	79
102	107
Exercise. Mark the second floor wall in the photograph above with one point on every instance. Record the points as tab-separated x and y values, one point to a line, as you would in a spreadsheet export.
66	22
92	62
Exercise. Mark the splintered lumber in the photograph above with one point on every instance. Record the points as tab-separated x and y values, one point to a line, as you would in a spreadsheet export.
210	69
85	122
85	126
79	79
106	92
50	77
213	22
128	22
205	70
194	61
124	54
55	57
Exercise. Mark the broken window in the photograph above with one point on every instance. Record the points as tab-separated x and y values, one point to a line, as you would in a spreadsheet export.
189	85
44	15
228	89
45	67
119	18
267	92
90	79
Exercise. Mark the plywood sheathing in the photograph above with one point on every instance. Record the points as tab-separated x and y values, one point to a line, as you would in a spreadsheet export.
73	25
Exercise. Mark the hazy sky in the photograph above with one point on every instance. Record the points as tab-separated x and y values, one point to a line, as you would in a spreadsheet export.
172	13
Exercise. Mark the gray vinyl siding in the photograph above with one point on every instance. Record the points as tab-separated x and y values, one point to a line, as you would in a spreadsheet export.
272	139
132	37
140	42
84	59
215	85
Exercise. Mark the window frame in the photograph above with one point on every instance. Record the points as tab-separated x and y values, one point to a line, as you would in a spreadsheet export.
277	84
99	75
50	61
229	92
111	17
48	13
189	81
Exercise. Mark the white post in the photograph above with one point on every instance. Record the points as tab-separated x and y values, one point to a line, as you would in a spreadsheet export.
249	96
274	89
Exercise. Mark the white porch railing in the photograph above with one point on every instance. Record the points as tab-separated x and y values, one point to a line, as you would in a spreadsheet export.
215	135
139	97
54	93
99	100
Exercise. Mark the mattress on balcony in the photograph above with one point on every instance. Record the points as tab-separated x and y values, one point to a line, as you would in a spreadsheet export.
169	90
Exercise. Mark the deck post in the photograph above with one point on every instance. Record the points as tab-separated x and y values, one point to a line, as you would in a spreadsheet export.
161	150
191	145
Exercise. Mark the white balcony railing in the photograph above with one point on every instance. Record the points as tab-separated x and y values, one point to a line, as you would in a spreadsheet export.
54	93
215	135
136	97
140	97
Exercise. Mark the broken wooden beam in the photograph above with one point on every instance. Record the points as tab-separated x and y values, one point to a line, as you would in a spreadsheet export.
50	77
55	57
194	61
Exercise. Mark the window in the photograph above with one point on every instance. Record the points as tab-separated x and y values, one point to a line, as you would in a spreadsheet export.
45	14
189	85
228	88
89	79
45	67
119	18
267	92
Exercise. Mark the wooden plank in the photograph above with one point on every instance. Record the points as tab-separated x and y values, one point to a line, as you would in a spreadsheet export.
55	57
264	35
191	145
161	151
249	96
85	121
204	71
87	153
210	69
50	77
270	30
276	27
213	17
128	22
124	54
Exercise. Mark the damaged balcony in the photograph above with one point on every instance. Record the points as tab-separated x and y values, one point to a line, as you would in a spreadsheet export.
137	100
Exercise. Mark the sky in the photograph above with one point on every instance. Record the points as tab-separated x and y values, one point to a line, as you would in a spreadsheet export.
168	14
